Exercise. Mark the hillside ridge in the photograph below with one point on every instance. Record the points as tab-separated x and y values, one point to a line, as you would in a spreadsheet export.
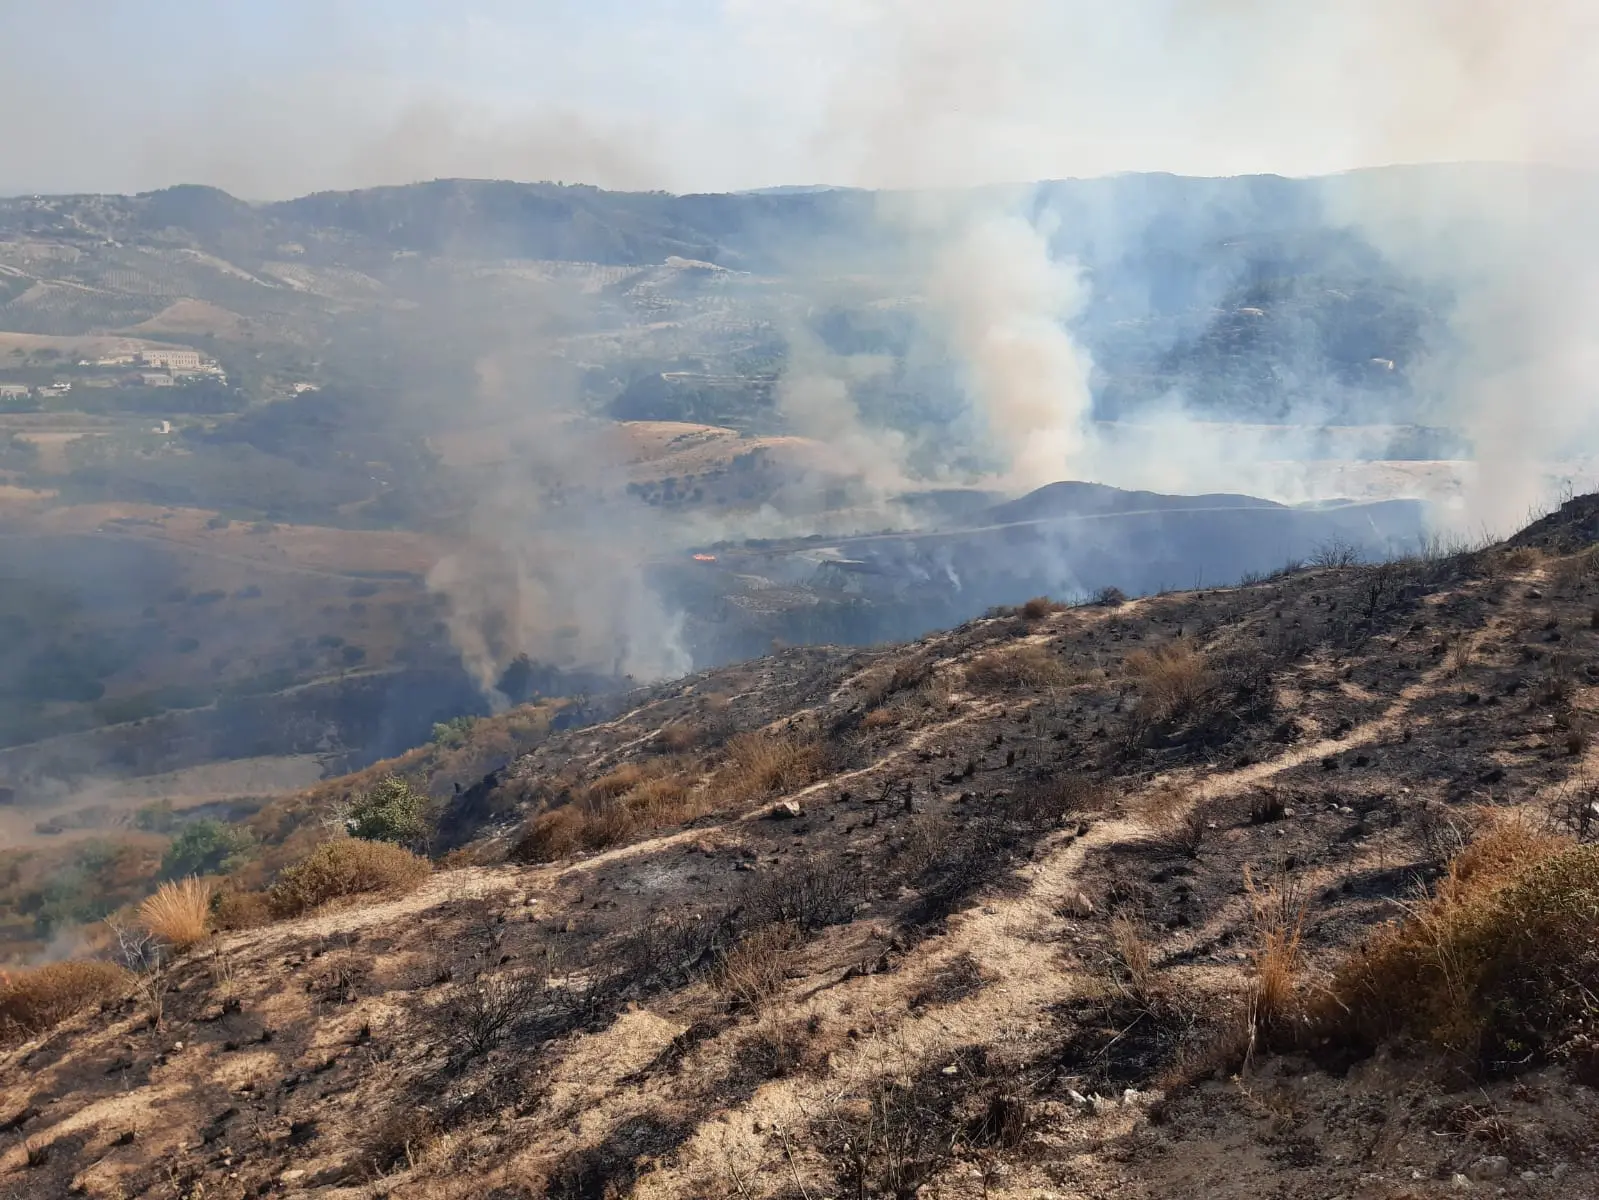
976	915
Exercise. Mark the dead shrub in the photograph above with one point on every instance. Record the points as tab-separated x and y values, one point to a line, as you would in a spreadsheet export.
1039	607
345	867
1044	804
1500	966
611	811
178	912
1182	834
1025	666
679	736
235	909
549	836
1575	810
606	823
888	679
780	1049
1522	558
809	896
664	800
755	969
1163	805
35	999
474	1017
1504	843
880	718
1172	680
401	1139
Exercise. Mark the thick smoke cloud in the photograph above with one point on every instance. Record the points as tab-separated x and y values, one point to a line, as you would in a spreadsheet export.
947	92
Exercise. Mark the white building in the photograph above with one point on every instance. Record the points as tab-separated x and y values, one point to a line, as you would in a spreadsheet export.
172	360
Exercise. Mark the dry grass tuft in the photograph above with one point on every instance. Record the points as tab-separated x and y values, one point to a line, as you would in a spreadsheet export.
178	913
889	678
1279	919
612	810
756	969
346	867
1132	963
1016	667
762	764
1172	680
549	836
35	999
615	783
1500	965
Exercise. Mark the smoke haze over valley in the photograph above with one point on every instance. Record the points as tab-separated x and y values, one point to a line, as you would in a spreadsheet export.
365	369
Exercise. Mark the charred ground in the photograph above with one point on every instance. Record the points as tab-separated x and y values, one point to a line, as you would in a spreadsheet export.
863	922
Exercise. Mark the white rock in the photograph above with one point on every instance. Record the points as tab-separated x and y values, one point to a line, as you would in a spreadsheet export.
1460	1183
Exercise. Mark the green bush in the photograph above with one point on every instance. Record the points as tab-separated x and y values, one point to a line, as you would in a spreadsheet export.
206	847
392	811
454	732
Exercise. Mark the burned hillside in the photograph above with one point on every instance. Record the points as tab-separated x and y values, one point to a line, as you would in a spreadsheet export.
1061	901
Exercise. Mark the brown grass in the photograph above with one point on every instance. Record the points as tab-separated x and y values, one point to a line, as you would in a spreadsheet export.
633	798
35	999
1279	919
880	718
178	912
890	678
1499	965
1132	961
550	835
680	736
1016	667
756	969
236	909
762	764
345	867
1172	680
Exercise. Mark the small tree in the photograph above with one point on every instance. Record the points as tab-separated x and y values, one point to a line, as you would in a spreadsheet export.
393	811
453	733
206	847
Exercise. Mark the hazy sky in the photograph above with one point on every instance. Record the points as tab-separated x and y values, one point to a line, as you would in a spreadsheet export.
271	98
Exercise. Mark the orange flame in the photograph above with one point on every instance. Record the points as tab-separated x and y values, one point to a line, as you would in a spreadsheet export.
705	558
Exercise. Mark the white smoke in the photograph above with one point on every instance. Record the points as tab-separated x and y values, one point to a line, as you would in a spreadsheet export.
1005	304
